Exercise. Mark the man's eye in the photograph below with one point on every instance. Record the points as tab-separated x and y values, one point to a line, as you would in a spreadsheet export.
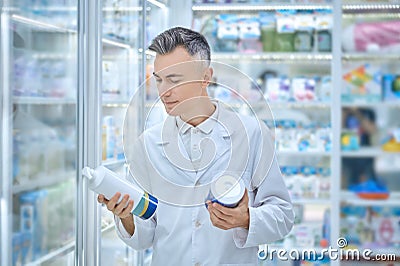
158	80
175	81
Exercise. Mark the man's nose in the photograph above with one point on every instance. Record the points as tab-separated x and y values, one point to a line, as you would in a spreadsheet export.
164	90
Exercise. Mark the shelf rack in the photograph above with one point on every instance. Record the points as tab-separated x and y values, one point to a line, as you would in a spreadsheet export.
44	180
257	7
350	198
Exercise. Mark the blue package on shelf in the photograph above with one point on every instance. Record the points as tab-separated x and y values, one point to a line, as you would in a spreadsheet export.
32	214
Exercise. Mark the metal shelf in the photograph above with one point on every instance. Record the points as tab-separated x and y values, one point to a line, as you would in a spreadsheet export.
316	201
351	198
42	26
370	7
116	103
303	105
293	56
47	27
366	152
303	153
45	180
123	9
393	104
68	248
113	162
257	7
42	100
370	56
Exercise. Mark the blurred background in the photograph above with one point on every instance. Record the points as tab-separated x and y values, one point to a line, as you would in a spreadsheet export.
329	70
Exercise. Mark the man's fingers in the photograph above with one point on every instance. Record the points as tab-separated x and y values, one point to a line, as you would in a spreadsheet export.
222	209
218	213
120	206
102	199
127	211
218	222
113	201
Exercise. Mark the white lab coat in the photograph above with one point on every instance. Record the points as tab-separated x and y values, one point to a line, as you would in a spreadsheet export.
181	232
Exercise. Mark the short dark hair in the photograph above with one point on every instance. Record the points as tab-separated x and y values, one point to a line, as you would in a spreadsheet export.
193	42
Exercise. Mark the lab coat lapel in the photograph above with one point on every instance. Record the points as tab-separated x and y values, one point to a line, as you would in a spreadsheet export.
221	136
172	148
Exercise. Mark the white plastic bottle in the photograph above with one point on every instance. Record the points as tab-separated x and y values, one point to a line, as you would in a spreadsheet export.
106	182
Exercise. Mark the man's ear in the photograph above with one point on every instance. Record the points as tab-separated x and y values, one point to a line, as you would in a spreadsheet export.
207	77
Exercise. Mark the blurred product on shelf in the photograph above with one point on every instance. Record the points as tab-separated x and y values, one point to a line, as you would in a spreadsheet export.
41	77
285	28
370	189
359	128
371	227
249	35
349	140
362	83
304	25
391	142
323	26
279	31
296	89
377	36
118	23
295	136
39	149
111	140
307	182
45	222
391	87
111	83
61	15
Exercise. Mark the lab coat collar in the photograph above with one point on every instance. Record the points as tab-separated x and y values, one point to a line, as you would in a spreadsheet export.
225	125
206	126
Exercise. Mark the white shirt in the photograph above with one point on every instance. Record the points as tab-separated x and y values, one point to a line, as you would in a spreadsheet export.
192	136
183	235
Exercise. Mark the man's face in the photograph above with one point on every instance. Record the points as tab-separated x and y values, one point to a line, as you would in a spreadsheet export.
180	81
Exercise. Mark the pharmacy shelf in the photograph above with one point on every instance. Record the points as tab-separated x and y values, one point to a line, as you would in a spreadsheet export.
44	180
359	6
64	250
366	152
42	100
257	7
350	198
370	56
53	8
47	27
310	201
113	162
123	9
40	25
299	105
303	153
115	103
393	104
107	228
297	57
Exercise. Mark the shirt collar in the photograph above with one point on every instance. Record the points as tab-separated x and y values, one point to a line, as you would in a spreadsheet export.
206	126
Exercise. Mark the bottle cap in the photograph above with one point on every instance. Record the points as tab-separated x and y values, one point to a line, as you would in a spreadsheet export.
88	173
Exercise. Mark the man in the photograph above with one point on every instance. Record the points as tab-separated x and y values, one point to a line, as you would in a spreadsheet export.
176	161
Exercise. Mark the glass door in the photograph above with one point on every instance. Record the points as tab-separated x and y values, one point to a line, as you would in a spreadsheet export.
41	91
128	26
121	66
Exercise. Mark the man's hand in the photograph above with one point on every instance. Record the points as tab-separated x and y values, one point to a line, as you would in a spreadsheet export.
227	218
123	210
